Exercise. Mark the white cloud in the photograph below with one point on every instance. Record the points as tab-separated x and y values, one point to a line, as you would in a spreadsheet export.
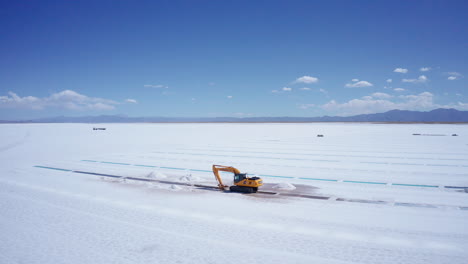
454	76
12	100
306	106
420	79
359	84
66	99
229	96
424	99
399	90
355	80
282	90
133	101
156	86
96	106
425	69
400	70
381	95
372	104
389	80
460	106
307	79
309	89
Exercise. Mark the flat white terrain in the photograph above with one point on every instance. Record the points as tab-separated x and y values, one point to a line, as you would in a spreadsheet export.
386	195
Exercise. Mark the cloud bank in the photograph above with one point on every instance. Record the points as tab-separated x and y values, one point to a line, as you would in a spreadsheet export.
66	99
380	102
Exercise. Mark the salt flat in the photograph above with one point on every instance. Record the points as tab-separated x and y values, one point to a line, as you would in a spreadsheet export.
391	195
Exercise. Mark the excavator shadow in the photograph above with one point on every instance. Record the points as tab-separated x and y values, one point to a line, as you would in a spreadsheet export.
270	190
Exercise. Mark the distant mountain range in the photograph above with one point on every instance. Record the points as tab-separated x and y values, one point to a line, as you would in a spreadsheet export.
438	115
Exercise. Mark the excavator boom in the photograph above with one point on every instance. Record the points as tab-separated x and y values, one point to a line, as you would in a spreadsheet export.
218	168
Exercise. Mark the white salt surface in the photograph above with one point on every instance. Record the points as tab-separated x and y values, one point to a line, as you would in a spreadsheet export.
284	186
52	216
156	175
189	178
175	187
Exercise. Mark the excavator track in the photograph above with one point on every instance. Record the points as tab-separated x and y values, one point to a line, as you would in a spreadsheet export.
242	189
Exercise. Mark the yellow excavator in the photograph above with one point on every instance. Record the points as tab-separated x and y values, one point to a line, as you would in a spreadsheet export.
242	183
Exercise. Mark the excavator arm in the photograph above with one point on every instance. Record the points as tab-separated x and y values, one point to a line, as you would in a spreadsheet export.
218	168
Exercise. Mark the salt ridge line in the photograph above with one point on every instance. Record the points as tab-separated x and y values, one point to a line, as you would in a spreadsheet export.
331	146
338	150
320	168
289	177
330	198
320	160
321	154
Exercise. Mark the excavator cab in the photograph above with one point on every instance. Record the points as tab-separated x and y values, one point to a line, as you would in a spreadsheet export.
239	177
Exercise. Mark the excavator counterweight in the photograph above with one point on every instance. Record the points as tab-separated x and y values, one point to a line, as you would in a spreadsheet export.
242	183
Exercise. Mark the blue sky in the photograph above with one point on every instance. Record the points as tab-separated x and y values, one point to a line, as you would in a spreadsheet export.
231	58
